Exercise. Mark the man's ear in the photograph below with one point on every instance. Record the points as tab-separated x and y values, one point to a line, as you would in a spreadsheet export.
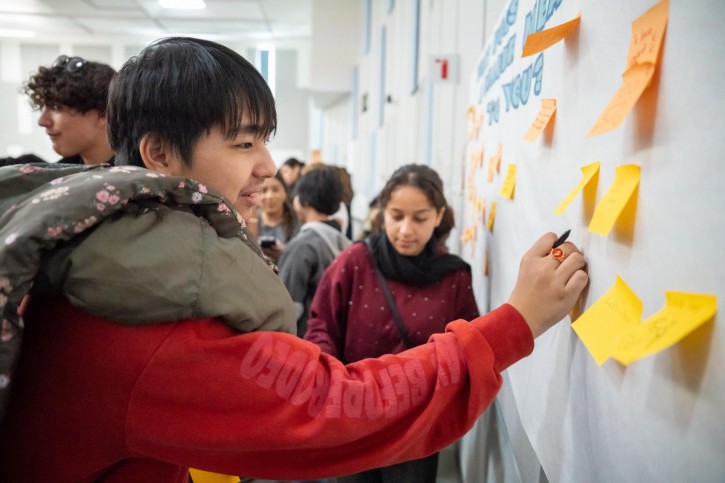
156	155
101	120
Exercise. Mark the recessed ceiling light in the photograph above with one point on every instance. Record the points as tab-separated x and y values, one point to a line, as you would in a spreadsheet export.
183	4
17	33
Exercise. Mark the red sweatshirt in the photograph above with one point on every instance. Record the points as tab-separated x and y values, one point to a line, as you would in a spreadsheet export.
94	400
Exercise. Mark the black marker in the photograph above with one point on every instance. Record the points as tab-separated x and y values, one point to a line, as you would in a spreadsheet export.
561	239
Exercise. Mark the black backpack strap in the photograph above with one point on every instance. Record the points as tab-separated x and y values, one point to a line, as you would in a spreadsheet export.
391	302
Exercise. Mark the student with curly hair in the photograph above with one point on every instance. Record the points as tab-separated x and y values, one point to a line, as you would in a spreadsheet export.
71	96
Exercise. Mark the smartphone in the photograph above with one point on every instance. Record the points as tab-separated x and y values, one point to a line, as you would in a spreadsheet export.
267	241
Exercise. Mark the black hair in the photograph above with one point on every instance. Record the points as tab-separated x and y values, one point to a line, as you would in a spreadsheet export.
179	88
294	163
321	189
82	89
427	180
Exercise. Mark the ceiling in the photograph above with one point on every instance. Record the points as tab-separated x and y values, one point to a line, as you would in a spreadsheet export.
257	20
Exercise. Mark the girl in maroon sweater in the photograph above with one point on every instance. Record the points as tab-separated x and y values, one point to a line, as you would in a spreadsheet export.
351	317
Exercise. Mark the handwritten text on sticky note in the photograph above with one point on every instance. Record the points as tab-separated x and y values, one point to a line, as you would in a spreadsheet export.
634	81
683	313
548	108
600	327
647	33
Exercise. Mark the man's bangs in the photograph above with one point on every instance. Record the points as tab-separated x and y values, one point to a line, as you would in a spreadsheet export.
261	117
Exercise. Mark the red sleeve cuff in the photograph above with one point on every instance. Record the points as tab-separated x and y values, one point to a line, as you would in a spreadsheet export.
507	333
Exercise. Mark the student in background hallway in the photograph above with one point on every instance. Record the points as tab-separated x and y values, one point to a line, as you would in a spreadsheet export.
291	170
372	222
342	215
71	97
318	242
347	195
277	221
163	347
352	319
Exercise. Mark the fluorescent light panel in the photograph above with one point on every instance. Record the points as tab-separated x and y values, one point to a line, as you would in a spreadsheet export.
16	33
183	4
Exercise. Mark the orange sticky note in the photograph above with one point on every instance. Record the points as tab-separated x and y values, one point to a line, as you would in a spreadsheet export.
548	108
509	183
634	81
482	209
477	158
588	173
539	41
494	164
626	180
647	33
600	327
491	216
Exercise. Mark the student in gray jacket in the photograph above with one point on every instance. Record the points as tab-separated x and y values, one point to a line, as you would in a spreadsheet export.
305	258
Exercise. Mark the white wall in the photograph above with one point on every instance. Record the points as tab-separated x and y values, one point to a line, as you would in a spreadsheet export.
661	417
426	126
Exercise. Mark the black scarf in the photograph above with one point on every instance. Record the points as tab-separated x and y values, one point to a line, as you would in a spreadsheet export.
428	267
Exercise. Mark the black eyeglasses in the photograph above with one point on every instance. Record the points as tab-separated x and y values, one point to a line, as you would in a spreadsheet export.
71	64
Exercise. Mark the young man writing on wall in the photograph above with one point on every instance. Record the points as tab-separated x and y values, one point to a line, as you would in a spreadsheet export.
153	343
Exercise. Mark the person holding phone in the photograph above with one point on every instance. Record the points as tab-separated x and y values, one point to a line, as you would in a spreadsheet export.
277	219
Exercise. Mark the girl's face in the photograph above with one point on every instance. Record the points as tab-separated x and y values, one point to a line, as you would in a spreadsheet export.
273	196
410	219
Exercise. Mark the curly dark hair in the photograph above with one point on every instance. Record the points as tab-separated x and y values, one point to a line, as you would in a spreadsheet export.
82	90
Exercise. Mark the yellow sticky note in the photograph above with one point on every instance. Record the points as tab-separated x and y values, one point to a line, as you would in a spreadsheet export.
548	108
683	313
613	202
600	327
201	476
647	33
491	216
509	183
634	81
589	172
539	41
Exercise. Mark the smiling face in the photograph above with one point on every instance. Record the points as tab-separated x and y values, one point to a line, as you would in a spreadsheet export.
410	219
273	196
235	167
